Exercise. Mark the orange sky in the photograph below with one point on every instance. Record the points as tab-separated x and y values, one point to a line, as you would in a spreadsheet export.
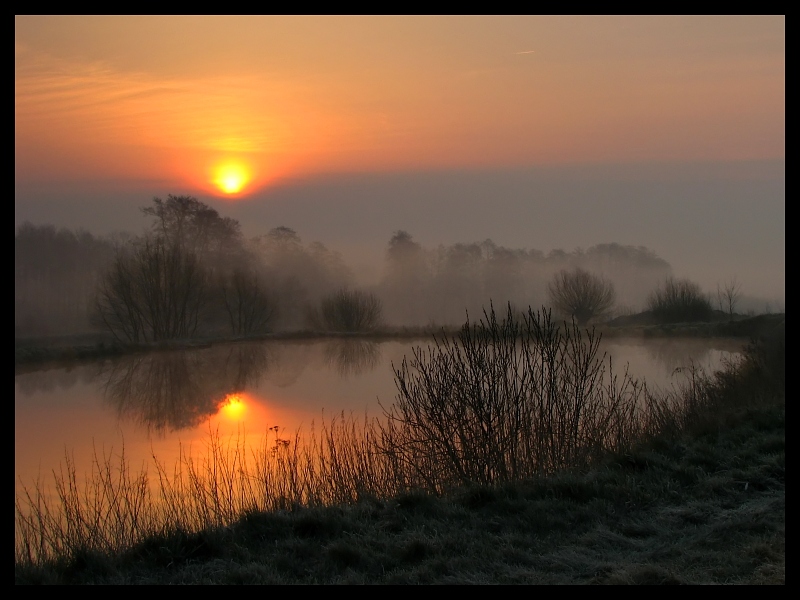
173	98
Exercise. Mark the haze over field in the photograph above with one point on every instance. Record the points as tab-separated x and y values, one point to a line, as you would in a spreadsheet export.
535	132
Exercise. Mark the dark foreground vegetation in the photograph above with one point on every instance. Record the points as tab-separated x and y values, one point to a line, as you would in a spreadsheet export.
598	482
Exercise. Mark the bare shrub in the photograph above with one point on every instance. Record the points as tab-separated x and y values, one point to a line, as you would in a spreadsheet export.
250	308
350	311
581	294
504	400
679	300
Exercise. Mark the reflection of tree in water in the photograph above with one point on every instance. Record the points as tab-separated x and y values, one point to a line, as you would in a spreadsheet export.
180	389
675	356
352	357
288	361
245	363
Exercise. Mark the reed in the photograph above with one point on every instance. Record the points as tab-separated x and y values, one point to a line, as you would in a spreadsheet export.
113	508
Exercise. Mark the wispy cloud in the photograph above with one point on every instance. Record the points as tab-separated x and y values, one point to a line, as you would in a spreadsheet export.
57	96
527	52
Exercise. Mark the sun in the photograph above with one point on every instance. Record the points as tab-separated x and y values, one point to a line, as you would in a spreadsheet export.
231	178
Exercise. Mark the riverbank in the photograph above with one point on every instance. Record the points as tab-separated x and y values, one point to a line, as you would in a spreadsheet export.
740	326
701	502
38	351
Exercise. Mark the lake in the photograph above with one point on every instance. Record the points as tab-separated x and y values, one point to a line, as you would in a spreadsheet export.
162	403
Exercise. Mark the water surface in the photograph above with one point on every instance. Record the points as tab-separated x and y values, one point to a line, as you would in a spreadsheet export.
162	402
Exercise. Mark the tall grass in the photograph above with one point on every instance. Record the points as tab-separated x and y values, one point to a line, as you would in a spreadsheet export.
113	507
503	400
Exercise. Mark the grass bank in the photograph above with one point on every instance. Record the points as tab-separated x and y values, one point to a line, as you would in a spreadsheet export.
723	325
699	497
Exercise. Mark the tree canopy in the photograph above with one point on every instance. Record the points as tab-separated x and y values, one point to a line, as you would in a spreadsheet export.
581	294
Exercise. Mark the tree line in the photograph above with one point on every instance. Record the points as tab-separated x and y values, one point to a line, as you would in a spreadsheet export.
194	273
437	285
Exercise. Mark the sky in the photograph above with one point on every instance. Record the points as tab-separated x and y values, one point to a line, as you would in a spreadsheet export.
537	132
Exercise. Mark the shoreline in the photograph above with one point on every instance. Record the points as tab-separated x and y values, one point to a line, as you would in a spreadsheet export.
92	346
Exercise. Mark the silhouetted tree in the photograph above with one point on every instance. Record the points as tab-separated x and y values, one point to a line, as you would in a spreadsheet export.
406	280
186	222
728	295
350	311
249	307
581	294
155	291
299	276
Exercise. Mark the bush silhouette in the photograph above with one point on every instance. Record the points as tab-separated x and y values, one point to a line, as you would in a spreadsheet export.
679	300
581	294
350	311
507	399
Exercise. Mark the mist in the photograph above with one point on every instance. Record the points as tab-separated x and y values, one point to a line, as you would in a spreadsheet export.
710	222
276	275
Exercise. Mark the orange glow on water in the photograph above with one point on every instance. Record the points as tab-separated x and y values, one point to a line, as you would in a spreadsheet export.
234	407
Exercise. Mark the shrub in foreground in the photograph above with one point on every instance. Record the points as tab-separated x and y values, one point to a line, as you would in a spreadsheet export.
507	399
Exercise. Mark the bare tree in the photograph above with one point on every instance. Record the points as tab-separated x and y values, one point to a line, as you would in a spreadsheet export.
728	295
581	294
194	226
250	308
157	291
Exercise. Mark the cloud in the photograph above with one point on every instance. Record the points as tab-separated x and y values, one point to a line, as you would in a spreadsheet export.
93	101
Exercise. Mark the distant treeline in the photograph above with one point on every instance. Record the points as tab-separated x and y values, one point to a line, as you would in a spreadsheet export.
193	272
422	285
56	272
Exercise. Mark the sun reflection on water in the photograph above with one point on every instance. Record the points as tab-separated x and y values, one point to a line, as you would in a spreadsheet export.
234	407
